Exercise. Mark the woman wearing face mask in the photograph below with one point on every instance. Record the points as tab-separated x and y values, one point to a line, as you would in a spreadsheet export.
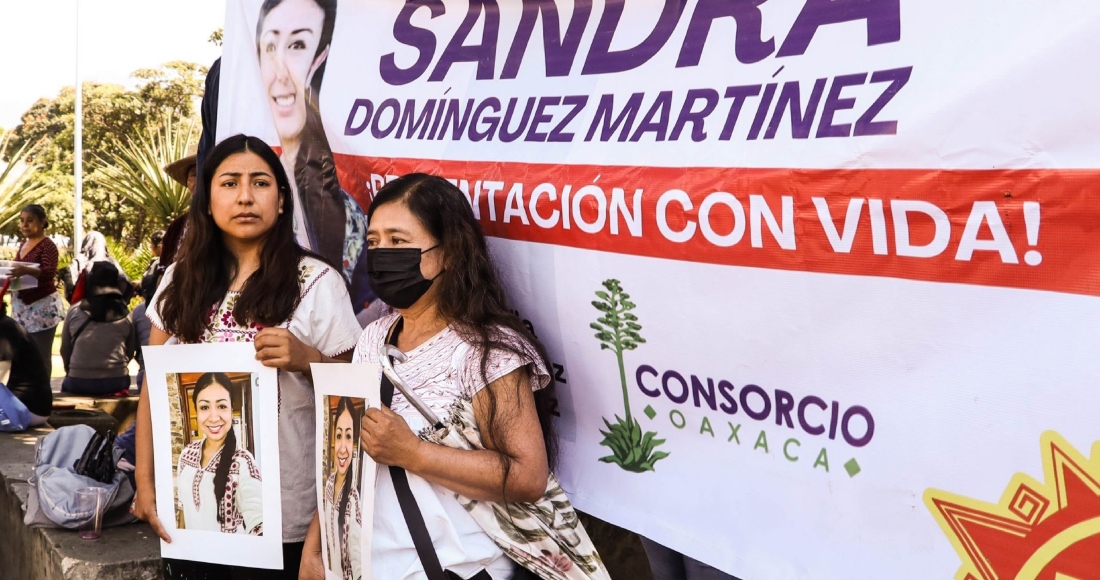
38	309
341	495
293	38
471	360
217	482
242	277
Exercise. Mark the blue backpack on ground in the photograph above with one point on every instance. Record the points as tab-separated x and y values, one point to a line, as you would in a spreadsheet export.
14	415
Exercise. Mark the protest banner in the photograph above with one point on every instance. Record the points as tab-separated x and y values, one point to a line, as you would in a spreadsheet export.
819	278
215	416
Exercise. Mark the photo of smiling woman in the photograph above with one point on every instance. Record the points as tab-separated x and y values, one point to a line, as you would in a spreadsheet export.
343	521
293	38
217	477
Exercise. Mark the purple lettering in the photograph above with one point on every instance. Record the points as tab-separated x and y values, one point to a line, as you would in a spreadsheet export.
508	136
739	95
866	124
784	404
541	117
833	103
696	118
870	421
483	54
790	97
626	117
661	109
707	392
557	135
602	60
757	415
883	22
419	38
558	52
673	375
350	128
646	370
748	45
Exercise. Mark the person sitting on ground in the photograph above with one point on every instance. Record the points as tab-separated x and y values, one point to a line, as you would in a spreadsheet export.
99	338
93	250
21	369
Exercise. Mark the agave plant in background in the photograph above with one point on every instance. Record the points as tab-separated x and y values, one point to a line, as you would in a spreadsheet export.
618	330
17	189
136	170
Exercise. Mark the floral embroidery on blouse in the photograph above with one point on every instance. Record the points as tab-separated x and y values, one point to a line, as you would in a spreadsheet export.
232	516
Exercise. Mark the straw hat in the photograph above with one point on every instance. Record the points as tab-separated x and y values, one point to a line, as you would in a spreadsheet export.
179	168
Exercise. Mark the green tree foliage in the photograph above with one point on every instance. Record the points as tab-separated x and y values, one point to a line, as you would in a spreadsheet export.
17	186
135	171
113	116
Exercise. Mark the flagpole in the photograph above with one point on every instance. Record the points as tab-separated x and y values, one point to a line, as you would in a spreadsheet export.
78	153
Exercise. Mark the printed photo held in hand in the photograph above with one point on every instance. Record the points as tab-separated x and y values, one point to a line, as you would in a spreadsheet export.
216	453
345	506
218	482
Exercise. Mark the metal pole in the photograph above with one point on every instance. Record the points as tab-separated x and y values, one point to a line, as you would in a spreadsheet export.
78	153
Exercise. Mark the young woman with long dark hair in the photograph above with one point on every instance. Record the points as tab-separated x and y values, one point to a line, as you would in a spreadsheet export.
218	483
471	360
241	277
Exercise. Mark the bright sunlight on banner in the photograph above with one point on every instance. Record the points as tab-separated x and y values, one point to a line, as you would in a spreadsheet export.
819	279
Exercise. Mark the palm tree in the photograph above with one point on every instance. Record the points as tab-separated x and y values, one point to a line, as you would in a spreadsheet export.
136	170
17	189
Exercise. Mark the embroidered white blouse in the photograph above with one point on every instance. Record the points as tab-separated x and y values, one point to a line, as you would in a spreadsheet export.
343	554
441	371
323	320
243	499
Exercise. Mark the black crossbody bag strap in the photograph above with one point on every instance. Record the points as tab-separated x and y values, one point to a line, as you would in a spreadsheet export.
422	540
415	520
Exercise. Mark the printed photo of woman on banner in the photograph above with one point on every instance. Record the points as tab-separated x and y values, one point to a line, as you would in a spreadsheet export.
218	482
293	38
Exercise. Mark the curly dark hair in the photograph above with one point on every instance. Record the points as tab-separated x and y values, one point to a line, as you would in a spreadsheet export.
469	291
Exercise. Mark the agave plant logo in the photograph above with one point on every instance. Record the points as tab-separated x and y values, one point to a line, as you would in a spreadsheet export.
618	330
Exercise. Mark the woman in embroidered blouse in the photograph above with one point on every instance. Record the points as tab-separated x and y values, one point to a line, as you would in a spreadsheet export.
38	309
343	518
241	276
483	373
217	483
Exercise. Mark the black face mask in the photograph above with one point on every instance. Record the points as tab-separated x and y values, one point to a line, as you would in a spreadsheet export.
395	275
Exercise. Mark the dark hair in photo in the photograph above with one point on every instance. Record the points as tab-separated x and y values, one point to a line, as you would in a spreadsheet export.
344	405
38	212
469	290
229	448
157	238
206	266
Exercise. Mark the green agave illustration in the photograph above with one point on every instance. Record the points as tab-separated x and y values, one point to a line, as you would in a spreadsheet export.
618	330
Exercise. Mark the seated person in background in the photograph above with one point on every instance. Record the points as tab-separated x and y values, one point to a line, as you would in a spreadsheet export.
21	369
99	338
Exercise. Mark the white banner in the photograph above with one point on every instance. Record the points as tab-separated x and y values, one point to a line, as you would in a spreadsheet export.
819	279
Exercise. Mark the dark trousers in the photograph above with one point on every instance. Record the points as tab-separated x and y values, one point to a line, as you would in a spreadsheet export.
188	570
668	564
43	339
95	387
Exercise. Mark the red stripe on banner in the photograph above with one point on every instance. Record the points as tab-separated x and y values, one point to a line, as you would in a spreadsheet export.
1032	229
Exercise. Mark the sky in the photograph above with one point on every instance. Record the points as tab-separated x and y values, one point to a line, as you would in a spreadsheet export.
117	37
